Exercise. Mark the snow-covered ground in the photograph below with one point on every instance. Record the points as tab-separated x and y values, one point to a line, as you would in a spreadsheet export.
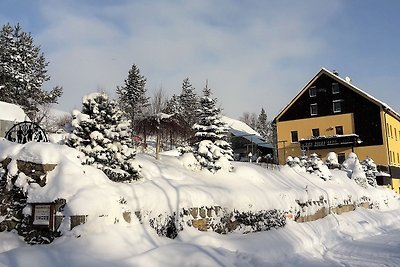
360	238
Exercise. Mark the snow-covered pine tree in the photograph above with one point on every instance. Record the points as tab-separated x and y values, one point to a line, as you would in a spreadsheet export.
189	102
173	106
23	70
132	95
370	170
211	149
101	133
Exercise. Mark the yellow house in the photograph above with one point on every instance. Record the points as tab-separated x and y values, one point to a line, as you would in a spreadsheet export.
331	114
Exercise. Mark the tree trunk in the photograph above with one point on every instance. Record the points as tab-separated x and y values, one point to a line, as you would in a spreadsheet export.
158	141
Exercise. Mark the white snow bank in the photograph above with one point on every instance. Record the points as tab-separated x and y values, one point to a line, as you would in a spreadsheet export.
12	112
167	186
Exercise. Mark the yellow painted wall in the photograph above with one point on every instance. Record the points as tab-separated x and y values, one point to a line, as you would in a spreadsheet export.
392	137
304	128
396	185
326	127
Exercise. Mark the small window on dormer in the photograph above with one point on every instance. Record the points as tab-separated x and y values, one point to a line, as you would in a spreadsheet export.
313	91
335	88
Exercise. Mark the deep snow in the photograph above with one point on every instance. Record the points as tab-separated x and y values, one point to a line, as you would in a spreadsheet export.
168	185
360	238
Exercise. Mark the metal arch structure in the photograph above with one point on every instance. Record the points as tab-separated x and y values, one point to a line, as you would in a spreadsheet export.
26	131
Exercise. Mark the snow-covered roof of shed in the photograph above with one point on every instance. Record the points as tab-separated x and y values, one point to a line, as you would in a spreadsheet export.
12	112
238	125
343	81
255	139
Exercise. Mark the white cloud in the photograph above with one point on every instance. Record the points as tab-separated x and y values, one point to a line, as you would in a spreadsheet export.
247	50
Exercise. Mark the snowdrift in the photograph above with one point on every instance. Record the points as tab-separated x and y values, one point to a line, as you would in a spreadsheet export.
167	187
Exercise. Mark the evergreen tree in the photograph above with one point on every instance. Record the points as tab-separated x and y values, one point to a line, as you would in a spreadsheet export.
189	102
173	106
211	149
262	124
132	95
370	170
101	133
23	70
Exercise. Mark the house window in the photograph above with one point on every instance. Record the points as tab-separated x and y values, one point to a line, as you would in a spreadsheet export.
339	130
295	137
313	109
315	132
341	157
398	158
391	132
313	91
337	106
395	134
335	88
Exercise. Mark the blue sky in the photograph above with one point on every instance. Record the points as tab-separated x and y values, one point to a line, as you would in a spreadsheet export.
255	54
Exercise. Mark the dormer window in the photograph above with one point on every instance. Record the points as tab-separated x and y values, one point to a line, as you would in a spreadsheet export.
335	88
313	91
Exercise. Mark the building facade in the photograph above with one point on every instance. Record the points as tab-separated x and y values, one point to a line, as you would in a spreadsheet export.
331	114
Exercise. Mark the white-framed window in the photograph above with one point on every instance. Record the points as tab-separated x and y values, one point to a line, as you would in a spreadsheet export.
314	109
335	88
337	106
313	91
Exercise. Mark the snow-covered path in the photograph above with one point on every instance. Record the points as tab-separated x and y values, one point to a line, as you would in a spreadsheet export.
380	250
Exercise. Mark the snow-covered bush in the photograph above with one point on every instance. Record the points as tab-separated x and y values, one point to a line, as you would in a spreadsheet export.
101	133
358	174
318	167
332	161
348	164
312	164
370	170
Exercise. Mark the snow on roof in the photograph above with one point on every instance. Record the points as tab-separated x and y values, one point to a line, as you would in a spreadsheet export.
12	112
238	125
254	138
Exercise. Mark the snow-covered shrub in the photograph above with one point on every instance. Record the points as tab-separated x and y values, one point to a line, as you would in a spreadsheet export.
189	161
318	167
101	133
166	225
260	221
312	164
358	174
370	170
332	161
348	164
